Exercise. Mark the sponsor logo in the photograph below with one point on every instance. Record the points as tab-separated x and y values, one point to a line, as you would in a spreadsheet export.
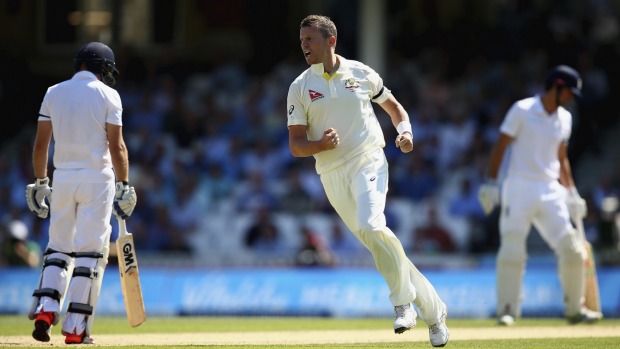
291	109
315	95
129	257
372	179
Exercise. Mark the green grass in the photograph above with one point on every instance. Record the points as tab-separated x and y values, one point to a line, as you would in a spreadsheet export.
20	326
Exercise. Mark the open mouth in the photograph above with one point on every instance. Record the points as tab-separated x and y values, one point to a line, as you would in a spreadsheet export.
306	53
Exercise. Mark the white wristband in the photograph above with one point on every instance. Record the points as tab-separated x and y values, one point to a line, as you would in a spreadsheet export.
404	126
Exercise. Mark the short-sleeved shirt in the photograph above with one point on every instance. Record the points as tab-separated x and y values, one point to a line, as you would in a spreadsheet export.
79	109
537	138
341	101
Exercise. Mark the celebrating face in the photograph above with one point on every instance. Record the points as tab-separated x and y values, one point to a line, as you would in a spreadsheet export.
314	46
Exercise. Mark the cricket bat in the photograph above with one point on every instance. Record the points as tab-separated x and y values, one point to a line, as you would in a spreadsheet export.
592	296
130	278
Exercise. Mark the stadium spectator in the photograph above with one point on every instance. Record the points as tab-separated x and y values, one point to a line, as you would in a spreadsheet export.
433	237
263	235
17	249
314	251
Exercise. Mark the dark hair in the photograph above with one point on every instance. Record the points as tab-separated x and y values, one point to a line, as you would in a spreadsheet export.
322	23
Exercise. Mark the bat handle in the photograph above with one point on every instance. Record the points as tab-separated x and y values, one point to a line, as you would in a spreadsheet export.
122	227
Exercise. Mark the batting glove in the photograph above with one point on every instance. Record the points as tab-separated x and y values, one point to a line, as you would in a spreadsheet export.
577	208
488	195
125	200
36	194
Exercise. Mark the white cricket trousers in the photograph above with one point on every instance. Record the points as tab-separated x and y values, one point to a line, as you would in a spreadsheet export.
79	222
542	204
357	190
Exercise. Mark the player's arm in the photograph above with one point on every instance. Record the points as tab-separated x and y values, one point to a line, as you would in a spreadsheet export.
488	193
37	192
301	146
395	110
118	152
497	155
400	120
566	174
577	207
41	148
125	198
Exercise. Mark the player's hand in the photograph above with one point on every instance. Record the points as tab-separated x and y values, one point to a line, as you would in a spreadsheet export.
125	200
36	194
577	208
330	139
405	142
488	195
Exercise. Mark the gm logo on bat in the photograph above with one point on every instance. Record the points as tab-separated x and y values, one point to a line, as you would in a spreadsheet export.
128	254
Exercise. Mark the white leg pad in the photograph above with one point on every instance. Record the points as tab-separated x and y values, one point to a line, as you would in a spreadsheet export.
96	287
510	268
52	286
84	293
571	268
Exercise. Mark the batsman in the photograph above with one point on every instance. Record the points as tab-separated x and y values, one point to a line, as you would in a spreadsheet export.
538	189
83	115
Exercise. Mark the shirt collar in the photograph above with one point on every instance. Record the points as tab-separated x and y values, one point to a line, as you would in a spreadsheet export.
85	74
538	106
318	68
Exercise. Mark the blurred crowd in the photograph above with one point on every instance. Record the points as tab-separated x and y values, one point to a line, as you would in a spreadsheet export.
208	140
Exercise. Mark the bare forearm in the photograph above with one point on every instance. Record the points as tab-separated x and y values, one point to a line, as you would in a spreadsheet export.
497	155
39	161
494	163
566	175
40	148
303	147
120	162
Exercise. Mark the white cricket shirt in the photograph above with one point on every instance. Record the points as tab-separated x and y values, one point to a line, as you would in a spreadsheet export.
343	102
79	109
537	138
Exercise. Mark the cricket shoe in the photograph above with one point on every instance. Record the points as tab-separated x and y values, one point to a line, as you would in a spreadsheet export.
506	320
404	319
438	333
42	324
73	338
586	316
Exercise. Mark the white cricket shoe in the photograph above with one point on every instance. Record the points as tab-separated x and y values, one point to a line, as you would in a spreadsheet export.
506	320
438	333
404	319
586	316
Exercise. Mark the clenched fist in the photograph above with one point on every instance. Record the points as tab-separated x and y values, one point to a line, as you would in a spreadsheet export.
330	139
404	142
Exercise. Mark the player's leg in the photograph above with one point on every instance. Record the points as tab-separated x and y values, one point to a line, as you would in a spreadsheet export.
339	191
57	265
555	227
370	186
361	207
518	205
48	298
356	191
92	243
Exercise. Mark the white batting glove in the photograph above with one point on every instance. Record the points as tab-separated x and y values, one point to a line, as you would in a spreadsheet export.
577	208
125	200
488	195
36	194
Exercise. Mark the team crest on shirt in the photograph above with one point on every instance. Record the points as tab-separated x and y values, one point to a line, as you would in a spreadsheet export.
315	95
350	84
